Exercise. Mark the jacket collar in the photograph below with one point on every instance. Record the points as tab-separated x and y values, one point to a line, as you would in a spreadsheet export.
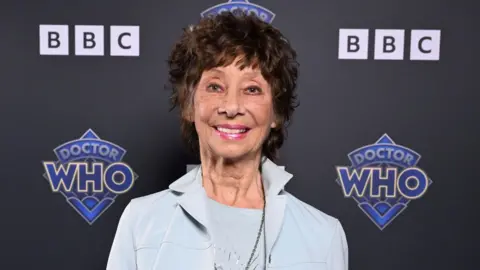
274	179
193	199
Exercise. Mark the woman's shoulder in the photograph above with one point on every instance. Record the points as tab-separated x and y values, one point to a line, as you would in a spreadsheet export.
326	237
151	208
310	216
150	199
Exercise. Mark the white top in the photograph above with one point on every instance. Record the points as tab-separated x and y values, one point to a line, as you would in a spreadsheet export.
234	233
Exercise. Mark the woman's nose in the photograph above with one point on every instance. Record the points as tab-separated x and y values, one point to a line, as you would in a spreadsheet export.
232	104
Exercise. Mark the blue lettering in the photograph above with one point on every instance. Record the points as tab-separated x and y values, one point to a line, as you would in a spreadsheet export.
416	189
353	181
60	175
411	183
94	177
378	181
63	176
126	174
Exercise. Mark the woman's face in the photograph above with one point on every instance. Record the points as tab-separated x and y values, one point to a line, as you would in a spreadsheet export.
233	111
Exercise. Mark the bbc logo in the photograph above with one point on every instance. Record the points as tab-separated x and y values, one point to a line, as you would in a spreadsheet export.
389	44
89	40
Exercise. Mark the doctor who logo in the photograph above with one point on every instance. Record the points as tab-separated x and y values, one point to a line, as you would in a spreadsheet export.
243	5
90	174
383	179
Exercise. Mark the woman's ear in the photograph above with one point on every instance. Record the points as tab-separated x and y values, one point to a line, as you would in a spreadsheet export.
277	122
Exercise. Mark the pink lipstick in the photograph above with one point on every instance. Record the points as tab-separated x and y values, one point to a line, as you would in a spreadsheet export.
232	132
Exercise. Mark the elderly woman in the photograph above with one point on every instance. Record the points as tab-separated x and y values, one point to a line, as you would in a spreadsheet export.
233	78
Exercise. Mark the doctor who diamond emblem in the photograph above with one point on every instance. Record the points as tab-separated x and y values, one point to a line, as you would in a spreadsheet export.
244	5
383	179
90	174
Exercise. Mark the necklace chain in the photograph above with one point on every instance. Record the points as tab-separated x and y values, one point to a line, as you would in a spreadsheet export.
259	233
262	223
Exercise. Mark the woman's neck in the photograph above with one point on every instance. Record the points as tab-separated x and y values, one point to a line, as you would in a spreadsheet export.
235	183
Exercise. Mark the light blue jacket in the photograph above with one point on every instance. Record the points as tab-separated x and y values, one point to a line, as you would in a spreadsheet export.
168	230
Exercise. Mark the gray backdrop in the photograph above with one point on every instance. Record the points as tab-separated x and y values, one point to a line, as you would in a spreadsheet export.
428	106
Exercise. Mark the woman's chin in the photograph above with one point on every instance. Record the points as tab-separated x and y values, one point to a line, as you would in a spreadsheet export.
233	152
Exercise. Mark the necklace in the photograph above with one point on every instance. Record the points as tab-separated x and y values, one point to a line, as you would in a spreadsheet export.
259	233
262	223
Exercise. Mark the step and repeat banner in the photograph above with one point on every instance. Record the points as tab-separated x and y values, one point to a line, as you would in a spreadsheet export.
385	137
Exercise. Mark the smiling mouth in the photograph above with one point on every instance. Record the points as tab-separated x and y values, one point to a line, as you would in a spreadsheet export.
232	130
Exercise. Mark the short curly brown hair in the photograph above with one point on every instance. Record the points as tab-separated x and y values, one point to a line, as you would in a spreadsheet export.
220	40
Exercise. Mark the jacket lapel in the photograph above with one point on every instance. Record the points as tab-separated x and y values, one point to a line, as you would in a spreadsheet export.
274	179
193	199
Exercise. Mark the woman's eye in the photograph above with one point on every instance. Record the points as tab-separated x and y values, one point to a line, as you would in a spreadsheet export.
214	87
254	90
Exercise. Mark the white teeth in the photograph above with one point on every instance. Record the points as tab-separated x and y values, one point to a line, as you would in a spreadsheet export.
231	131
